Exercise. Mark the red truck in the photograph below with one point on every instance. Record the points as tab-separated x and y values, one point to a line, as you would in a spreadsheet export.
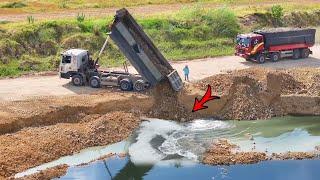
275	44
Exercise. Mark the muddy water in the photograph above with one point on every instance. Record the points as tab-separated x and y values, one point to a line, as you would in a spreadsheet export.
124	169
162	149
159	140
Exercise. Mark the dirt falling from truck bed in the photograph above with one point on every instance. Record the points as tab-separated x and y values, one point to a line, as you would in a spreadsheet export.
166	104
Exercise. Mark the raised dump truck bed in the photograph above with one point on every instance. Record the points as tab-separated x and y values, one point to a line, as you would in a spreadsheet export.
283	36
141	52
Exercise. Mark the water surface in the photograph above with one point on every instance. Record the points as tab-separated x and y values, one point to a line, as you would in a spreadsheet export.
162	149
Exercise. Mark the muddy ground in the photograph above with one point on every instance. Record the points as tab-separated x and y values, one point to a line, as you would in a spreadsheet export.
36	131
223	152
259	93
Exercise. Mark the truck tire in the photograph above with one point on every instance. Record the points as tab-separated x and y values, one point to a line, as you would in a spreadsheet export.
275	57
77	80
305	53
125	85
296	54
95	82
261	58
139	85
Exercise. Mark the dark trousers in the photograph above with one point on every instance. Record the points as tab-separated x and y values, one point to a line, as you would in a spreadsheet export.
186	77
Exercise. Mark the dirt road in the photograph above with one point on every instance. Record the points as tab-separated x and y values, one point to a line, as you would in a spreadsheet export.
23	88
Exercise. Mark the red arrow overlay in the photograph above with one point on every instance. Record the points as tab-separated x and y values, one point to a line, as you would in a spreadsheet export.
199	105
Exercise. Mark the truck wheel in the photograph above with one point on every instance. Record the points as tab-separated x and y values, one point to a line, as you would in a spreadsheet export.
95	82
77	80
275	57
296	54
261	58
305	53
139	85
125	85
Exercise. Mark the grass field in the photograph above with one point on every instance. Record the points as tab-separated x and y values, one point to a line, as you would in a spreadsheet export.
241	7
192	32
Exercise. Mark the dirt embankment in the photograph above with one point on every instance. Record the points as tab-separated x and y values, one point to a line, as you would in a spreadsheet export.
258	93
37	131
48	174
34	146
223	152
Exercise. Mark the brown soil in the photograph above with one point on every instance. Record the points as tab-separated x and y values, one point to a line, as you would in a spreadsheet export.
263	93
222	153
40	130
34	146
294	155
48	174
166	104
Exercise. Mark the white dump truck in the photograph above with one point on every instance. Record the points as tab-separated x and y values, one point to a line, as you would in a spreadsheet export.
77	65
138	49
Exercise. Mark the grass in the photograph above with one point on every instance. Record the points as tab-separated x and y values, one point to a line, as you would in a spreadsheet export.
241	7
191	33
14	5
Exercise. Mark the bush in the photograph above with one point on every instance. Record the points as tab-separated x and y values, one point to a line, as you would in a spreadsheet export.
47	48
81	17
277	14
30	19
83	41
8	71
9	49
29	65
14	5
222	21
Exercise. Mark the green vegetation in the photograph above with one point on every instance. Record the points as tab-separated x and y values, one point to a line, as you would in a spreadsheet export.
30	19
196	32
81	17
191	33
277	14
14	5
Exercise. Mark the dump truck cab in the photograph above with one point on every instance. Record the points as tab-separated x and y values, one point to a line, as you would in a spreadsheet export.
77	64
249	45
74	61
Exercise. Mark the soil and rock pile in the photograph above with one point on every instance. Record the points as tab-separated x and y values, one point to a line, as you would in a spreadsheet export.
166	103
37	131
294	156
48	174
257	93
37	145
222	153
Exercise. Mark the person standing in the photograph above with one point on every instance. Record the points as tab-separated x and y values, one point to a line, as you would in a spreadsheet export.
186	73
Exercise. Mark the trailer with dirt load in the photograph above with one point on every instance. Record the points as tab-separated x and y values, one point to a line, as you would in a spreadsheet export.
275	44
137	48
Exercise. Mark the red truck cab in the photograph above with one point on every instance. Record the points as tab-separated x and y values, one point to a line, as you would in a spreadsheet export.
246	44
275	44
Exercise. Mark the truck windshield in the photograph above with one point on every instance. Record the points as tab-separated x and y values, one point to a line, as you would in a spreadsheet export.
66	59
245	42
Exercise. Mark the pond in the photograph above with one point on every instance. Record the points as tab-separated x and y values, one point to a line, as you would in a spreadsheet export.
162	149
